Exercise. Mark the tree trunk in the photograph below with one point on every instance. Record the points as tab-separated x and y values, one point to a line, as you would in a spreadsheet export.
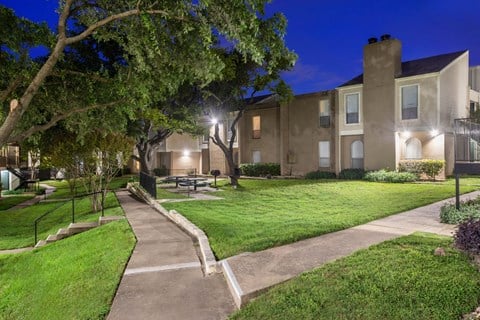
145	156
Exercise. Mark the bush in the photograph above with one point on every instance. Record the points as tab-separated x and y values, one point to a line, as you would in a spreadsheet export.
320	175
160	172
390	176
260	169
468	210
352	174
467	237
429	167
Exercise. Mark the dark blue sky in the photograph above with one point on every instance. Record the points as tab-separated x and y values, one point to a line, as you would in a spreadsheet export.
329	35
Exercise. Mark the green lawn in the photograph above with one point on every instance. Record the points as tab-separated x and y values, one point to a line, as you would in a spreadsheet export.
398	279
17	226
163	193
6	202
75	278
268	213
63	190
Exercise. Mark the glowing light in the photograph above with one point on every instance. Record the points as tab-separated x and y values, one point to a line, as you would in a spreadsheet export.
214	121
406	134
434	132
186	153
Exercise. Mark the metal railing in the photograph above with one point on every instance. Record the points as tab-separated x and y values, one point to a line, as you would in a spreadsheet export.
72	200
149	183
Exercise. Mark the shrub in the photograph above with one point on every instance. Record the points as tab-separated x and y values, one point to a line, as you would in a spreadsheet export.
320	175
467	237
429	167
390	176
160	172
468	210
260	169
352	174
432	167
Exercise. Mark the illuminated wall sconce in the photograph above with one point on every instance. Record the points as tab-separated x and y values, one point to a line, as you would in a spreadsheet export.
186	153
406	134
434	132
214	121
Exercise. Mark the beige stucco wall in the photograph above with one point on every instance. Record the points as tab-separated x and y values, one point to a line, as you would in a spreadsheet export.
269	142
185	163
181	142
302	133
454	93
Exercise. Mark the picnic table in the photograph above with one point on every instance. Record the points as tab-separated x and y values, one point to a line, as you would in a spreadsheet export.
195	182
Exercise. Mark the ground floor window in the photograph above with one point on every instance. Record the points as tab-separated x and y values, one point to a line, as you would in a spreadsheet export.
357	154
324	154
256	156
413	149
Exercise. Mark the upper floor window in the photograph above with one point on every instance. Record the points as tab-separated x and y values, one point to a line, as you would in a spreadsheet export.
352	108
324	112
256	127
409	102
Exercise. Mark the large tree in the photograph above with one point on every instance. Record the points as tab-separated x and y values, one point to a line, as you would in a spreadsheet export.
226	100
165	43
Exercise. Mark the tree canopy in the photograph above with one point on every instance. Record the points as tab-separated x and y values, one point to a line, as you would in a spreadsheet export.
155	47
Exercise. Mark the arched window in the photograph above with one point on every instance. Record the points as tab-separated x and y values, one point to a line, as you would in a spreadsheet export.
413	149
357	154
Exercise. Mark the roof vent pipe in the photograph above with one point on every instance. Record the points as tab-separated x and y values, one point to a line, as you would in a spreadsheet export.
385	37
372	40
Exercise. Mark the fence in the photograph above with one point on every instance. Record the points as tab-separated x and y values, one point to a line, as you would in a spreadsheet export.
149	183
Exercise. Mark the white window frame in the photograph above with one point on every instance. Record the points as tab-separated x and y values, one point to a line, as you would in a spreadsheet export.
325	103
401	100
359	108
322	151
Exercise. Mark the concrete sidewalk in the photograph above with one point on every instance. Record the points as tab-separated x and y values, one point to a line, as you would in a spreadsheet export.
164	279
30	202
250	274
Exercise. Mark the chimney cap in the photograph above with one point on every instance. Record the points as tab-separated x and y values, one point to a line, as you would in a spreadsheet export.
372	40
385	36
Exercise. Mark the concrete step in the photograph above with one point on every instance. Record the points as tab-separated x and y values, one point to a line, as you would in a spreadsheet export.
63	233
105	220
40	243
78	227
52	238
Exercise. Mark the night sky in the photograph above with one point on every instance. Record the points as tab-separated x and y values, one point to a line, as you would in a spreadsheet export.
329	35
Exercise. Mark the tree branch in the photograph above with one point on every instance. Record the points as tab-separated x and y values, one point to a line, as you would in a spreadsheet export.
53	121
11	87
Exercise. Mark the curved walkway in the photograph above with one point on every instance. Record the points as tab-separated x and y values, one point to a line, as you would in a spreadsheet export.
163	279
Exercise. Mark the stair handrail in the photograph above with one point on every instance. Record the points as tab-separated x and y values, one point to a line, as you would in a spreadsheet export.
43	216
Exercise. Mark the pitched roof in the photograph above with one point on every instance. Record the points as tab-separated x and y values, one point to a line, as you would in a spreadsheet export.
417	67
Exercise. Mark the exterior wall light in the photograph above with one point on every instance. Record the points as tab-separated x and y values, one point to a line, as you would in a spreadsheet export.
214	121
434	132
406	134
186	153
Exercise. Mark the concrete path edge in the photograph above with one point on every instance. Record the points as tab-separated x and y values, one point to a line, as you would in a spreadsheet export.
209	263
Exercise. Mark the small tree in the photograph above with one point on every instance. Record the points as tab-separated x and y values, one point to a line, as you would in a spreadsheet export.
432	167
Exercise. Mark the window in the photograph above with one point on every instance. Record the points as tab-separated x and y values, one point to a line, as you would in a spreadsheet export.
256	133
229	131
256	157
324	112
352	108
324	154
357	154
413	149
410	102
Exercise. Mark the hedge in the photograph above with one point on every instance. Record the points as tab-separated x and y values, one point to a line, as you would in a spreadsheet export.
260	169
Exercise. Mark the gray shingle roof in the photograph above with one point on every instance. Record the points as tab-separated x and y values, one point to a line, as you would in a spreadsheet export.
417	67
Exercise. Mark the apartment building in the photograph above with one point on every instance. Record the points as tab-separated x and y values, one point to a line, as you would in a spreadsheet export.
394	111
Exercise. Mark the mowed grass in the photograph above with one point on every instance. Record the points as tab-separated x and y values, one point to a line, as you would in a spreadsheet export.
398	279
6	202
17	226
63	190
75	278
267	213
163	193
